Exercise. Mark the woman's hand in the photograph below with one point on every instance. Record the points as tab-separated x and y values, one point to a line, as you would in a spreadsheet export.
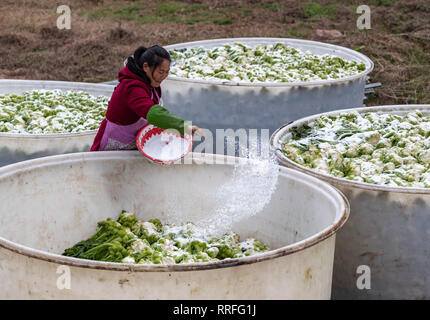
200	131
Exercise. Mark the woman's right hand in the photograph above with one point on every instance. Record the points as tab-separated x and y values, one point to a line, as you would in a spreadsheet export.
199	130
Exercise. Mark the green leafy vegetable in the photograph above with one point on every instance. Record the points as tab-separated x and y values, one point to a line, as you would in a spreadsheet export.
261	63
130	240
51	111
377	148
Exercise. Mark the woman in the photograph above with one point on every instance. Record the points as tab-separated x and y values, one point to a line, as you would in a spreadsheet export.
136	101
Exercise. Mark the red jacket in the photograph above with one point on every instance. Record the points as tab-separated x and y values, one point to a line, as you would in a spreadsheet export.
130	101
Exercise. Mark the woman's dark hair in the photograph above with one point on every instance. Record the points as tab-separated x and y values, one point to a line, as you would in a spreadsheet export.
153	56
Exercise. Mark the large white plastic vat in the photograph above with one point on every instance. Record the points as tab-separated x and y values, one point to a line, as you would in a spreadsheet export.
51	203
218	104
18	147
384	244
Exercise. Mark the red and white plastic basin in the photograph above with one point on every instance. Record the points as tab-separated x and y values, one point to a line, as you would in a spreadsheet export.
162	146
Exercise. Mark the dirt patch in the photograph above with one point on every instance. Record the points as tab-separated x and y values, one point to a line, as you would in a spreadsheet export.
105	32
88	60
50	33
121	36
13	40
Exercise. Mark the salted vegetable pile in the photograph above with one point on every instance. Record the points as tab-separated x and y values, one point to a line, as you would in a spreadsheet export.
129	240
377	148
262	63
51	111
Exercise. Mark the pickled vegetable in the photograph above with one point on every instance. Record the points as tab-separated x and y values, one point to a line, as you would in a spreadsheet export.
263	63
376	148
129	240
51	111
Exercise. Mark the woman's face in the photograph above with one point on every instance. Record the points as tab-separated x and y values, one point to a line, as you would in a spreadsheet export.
157	74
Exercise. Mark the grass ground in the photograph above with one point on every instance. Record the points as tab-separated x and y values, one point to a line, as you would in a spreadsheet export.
104	32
